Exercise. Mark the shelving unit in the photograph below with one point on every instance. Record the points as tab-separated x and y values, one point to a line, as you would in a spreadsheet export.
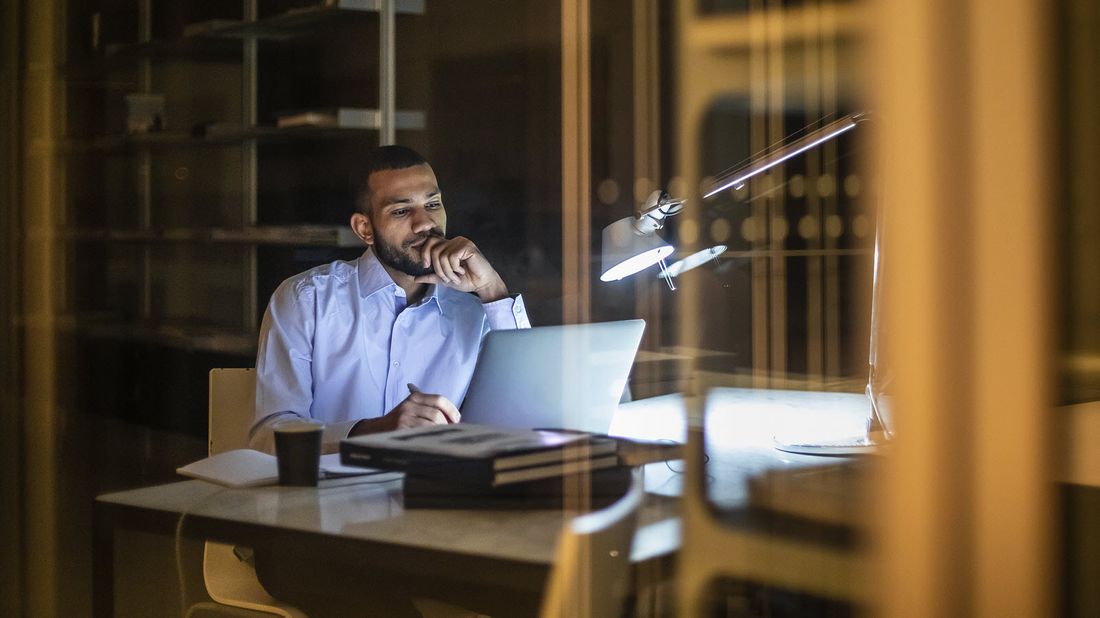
237	210
178	335
173	238
286	235
224	134
297	22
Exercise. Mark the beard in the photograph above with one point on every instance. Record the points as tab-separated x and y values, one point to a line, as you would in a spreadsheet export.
403	258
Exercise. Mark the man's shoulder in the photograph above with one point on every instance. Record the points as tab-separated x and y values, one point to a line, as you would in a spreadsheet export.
324	277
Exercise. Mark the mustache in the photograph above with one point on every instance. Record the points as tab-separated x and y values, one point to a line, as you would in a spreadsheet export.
432	233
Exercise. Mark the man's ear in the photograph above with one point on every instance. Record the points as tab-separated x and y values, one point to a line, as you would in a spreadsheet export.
361	225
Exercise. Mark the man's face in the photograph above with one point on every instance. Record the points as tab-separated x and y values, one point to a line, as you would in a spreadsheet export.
406	208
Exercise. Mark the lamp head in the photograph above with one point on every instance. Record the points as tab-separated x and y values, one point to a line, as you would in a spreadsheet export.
631	244
627	250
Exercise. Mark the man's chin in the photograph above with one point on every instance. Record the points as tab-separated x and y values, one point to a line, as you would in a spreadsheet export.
404	263
416	270
409	267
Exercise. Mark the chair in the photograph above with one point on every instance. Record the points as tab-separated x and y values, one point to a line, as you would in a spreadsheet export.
230	581
591	574
232	407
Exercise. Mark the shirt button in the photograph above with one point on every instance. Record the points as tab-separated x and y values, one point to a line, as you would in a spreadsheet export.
396	363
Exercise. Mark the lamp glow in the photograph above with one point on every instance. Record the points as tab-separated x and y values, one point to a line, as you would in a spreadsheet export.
635	264
694	260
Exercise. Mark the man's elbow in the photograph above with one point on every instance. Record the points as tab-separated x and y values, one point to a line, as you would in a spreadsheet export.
262	438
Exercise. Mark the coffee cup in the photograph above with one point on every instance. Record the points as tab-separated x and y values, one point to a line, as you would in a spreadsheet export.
298	451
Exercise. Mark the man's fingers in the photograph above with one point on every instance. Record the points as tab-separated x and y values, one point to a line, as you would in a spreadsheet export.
427	249
417	415
449	410
448	257
438	403
409	421
456	263
442	264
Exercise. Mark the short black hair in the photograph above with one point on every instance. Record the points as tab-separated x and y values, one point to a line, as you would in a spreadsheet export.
383	158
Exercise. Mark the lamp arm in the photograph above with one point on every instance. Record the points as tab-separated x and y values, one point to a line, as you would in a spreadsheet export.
650	217
760	164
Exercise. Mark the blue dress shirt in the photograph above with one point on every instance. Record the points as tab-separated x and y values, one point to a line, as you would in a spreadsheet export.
338	344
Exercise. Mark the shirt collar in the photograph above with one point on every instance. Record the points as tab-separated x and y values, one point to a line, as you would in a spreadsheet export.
373	278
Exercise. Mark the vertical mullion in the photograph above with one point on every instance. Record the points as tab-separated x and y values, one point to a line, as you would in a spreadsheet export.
758	140
777	270
387	72
576	158
145	168
831	287
250	169
815	348
920	76
1012	495
647	147
40	265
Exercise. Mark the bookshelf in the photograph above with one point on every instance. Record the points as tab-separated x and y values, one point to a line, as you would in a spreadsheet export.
175	236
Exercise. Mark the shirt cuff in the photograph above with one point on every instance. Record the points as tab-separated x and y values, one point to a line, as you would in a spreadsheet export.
507	313
334	433
262	437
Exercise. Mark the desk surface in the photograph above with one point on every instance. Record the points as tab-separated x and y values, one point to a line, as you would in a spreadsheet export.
365	516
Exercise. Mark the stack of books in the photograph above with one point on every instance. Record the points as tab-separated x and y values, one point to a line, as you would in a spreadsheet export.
476	466
481	456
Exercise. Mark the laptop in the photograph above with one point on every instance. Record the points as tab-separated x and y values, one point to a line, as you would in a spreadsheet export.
553	377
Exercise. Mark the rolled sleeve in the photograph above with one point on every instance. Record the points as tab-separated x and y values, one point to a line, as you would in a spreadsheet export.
507	313
334	433
284	361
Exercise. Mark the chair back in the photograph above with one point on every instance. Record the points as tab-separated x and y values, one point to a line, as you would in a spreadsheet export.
591	574
232	408
229	581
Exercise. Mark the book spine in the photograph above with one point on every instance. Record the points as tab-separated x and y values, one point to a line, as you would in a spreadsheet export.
421	464
356	118
576	450
565	468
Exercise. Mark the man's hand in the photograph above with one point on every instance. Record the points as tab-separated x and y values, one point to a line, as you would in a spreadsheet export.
417	410
459	264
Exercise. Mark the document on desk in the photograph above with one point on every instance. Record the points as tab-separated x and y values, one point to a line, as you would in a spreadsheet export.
248	468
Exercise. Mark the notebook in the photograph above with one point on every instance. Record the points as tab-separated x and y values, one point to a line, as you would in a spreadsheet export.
249	468
553	377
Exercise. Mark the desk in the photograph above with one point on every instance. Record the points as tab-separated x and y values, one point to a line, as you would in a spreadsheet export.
361	522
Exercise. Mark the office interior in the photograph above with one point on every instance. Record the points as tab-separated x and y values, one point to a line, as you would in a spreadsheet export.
151	204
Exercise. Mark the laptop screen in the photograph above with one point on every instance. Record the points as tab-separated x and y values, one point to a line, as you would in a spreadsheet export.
564	377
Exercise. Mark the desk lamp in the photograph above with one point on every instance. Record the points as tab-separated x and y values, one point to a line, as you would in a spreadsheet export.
619	262
631	244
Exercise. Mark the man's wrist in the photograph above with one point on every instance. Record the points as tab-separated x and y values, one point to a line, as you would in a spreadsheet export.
492	292
371	425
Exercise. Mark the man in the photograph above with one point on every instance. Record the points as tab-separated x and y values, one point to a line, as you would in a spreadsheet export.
389	340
